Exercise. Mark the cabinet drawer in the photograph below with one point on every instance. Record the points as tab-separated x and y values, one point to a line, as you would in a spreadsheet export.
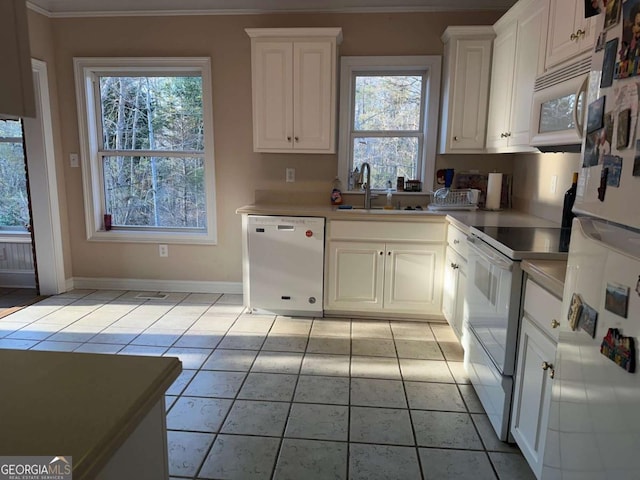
457	240
428	231
543	308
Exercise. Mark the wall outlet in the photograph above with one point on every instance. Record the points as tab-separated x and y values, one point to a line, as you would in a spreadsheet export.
74	160
290	175
163	250
553	188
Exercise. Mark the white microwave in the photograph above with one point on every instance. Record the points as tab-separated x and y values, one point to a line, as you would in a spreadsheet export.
558	109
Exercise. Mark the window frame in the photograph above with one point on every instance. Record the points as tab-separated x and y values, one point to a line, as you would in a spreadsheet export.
430	66
87	69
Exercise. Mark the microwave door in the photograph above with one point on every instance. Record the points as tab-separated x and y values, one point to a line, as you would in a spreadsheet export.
558	115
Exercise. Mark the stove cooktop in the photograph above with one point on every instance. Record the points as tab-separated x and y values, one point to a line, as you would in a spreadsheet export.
525	242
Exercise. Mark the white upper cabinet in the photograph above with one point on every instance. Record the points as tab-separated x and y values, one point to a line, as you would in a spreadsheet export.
467	68
294	78
569	34
518	57
16	92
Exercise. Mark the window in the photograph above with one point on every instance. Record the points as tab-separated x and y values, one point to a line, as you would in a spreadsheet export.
14	208
147	148
388	118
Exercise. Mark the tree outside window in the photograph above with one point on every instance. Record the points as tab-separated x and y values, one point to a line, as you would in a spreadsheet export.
14	207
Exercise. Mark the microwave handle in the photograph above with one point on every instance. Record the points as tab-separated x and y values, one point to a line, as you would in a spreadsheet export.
582	92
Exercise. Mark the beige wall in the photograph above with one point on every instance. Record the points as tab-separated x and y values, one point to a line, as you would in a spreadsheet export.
239	171
42	48
532	182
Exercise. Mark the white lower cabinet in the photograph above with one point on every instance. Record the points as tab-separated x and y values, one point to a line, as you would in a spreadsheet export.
534	375
398	271
387	277
453	288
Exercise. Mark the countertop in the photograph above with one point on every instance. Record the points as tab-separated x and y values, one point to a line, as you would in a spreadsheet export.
79	404
462	219
550	274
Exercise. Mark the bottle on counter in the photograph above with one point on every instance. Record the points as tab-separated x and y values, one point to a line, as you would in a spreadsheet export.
567	214
336	192
389	205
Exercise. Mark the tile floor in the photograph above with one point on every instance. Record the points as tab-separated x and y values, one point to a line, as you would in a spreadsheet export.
262	396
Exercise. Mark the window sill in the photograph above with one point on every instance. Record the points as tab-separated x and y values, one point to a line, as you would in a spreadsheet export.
15	236
123	236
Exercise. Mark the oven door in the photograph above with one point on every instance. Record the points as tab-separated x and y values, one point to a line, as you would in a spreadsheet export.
494	284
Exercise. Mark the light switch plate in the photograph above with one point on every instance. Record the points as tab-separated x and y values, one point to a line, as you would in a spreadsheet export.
74	160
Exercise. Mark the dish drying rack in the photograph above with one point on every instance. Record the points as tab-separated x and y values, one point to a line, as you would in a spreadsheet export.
449	199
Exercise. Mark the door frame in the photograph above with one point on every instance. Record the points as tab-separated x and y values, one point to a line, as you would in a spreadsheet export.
45	206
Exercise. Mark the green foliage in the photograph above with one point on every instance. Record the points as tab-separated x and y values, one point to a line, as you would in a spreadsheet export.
164	115
14	208
385	105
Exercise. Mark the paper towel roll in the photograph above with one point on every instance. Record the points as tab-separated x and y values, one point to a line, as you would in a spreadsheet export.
494	191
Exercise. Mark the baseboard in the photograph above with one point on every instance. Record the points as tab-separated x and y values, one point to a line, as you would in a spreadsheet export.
147	285
17	279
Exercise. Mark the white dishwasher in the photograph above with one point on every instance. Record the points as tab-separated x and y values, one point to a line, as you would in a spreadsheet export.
286	264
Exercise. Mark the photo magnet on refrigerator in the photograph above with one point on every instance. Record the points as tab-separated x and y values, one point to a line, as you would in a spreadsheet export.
616	299
588	320
591	8
575	309
614	164
609	62
612	17
595	115
619	349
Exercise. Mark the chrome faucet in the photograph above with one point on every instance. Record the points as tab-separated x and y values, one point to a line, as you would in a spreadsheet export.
367	188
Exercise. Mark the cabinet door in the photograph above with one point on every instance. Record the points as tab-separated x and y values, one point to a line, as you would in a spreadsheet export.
413	278
532	393
449	287
272	96
355	276
566	19
460	319
470	96
16	95
562	24
529	62
504	48
312	95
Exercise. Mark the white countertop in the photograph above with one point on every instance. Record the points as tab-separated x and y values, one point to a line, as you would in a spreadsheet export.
462	219
79	404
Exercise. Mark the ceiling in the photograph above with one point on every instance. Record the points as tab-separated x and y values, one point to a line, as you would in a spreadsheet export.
75	8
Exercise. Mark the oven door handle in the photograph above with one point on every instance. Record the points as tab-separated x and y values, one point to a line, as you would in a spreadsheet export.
489	254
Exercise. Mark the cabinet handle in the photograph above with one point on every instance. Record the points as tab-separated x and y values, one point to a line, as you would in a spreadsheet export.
381	253
581	33
508	134
555	323
288	139
455	266
547	366
502	135
455	139
389	253
573	37
296	139
456	242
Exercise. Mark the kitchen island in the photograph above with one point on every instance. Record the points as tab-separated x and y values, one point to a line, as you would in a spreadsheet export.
105	411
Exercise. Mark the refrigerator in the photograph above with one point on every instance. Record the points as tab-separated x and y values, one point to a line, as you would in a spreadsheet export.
594	413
